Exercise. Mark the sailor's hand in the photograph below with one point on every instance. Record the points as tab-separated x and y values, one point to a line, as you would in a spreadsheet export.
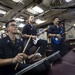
25	56
34	37
58	35
31	56
18	58
38	55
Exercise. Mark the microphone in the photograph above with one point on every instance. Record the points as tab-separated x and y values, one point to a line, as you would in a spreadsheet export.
61	21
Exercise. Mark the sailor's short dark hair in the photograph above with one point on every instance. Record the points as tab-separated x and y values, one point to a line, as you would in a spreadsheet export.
7	23
55	18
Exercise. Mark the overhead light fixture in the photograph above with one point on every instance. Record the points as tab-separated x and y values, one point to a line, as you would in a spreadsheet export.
32	11
17	1
3	27
35	10
21	25
2	31
19	19
38	21
38	9
2	12
74	25
68	0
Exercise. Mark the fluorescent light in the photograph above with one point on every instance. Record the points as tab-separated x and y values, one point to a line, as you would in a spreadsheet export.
3	27
38	9
2	12
19	19
38	21
68	0
74	25
35	10
21	25
17	0
32	11
2	31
